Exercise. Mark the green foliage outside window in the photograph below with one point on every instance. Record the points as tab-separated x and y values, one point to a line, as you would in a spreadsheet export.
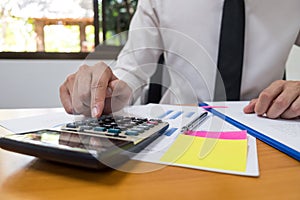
118	16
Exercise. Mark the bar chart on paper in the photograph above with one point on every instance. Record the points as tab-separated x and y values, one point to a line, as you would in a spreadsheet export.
214	146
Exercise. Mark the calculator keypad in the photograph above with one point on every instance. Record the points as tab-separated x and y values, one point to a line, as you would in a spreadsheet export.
117	127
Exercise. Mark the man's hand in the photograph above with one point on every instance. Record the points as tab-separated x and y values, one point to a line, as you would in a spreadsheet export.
280	99
93	91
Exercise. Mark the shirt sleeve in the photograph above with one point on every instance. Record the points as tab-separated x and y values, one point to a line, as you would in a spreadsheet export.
138	59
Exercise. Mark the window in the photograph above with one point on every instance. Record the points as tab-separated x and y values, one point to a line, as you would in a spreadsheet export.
63	27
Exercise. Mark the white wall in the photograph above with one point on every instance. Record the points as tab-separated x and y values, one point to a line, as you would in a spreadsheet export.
35	83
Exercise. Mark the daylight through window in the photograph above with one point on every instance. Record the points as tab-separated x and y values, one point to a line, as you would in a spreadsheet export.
63	25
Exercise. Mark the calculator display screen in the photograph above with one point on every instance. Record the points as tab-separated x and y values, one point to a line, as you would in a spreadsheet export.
68	140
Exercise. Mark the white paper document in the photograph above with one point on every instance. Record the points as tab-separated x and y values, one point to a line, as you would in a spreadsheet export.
286	132
176	116
158	148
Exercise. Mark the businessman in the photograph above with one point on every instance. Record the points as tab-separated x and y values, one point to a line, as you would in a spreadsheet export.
214	50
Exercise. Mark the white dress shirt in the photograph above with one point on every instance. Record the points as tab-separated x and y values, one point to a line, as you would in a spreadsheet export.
188	34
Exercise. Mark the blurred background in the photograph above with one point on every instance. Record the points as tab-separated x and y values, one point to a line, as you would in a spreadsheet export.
43	41
62	25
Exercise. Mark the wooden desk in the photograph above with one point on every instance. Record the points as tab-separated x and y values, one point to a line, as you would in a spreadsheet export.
24	177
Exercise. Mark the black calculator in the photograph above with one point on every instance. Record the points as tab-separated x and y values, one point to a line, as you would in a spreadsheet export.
96	143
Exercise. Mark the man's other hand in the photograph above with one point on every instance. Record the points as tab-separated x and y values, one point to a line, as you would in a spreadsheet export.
280	100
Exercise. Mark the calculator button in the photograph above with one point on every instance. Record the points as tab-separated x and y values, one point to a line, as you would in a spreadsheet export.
119	121
80	123
100	129
137	121
131	132
156	120
122	128
114	130
133	123
139	130
83	128
108	121
88	121
71	125
112	134
93	124
144	127
128	125
142	119
114	124
152	122
150	125
127	119
107	126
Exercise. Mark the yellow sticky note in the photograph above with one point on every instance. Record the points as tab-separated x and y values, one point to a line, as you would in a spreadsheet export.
214	153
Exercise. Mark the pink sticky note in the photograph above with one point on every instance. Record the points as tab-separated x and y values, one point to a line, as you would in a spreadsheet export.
229	135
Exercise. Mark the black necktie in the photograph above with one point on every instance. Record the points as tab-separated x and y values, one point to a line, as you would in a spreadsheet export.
231	51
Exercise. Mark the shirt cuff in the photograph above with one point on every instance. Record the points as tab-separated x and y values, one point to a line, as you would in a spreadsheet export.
136	84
